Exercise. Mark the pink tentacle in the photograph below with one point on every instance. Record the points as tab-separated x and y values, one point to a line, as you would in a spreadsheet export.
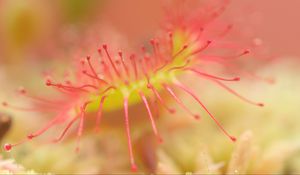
132	161
196	116
99	113
190	92
150	116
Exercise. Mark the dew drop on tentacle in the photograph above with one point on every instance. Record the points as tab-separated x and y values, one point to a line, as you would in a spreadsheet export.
7	147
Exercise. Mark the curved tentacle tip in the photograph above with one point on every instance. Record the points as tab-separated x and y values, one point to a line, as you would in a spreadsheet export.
82	62
126	82
84	71
237	79
134	168
160	140
30	136
54	141
77	150
261	104
271	80
96	130
7	147
48	82
232	138
4	104
172	111
22	90
197	117
246	51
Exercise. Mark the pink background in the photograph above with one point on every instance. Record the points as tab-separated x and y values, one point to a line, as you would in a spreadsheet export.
276	22
279	26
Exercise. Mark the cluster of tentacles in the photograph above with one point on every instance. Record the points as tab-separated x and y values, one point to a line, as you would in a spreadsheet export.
119	79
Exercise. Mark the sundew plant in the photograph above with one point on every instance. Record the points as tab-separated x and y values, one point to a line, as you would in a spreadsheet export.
186	42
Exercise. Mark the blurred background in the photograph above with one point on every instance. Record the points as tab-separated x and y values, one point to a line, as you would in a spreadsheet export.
275	22
35	27
37	36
